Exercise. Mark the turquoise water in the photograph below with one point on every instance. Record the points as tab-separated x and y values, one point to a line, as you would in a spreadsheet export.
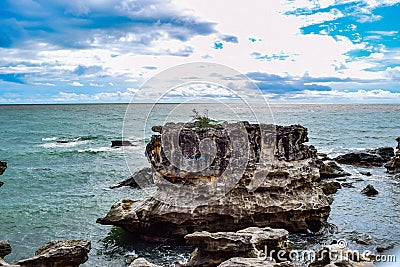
58	190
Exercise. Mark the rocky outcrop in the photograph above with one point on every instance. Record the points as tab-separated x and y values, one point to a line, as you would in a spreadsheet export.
266	175
214	248
394	164
254	262
5	248
337	255
369	190
329	187
331	170
370	157
141	178
142	262
60	253
119	143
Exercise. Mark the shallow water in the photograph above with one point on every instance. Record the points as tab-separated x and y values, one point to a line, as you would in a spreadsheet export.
57	190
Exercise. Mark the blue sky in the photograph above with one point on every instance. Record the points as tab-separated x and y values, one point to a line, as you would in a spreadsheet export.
295	51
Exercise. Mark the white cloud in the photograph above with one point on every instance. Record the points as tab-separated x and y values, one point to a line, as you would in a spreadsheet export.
118	96
76	84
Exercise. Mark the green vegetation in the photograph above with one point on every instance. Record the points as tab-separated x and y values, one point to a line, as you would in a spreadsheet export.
202	120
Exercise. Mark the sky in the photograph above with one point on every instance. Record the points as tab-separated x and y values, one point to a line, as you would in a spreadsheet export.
99	51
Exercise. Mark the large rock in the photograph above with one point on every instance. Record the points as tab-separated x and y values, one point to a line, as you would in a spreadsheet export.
276	184
370	157
394	164
329	187
331	170
337	255
60	253
214	248
139	179
254	262
369	190
142	262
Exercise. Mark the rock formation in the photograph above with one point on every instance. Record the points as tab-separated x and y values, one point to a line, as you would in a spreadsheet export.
3	167
5	248
369	190
144	176
370	157
329	187
331	170
119	143
61	253
142	262
266	174
214	248
394	164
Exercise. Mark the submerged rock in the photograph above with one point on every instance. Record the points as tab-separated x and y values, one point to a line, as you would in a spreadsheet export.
366	173
265	173
119	143
384	248
254	262
60	253
369	191
329	187
139	179
142	262
394	164
331	170
214	248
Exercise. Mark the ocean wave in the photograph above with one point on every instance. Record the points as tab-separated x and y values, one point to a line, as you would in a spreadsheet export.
49	138
62	144
96	150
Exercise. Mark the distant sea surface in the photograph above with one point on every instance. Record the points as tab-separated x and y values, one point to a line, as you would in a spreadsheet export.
57	190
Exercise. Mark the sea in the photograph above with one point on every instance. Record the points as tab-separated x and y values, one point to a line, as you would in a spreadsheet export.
61	165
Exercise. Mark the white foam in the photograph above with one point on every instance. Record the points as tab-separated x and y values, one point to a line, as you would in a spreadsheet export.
63	145
49	139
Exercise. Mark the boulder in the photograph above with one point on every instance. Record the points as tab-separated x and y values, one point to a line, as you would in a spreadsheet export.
331	170
382	249
369	190
385	152
337	255
141	178
262	175
142	262
214	248
329	187
119	143
59	253
393	166
360	158
5	248
254	262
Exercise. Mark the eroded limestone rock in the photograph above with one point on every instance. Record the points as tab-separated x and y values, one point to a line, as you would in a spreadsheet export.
140	179
59	253
276	186
214	248
142	262
5	248
331	170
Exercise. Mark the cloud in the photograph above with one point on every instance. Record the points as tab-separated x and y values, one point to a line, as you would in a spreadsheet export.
76	84
124	96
